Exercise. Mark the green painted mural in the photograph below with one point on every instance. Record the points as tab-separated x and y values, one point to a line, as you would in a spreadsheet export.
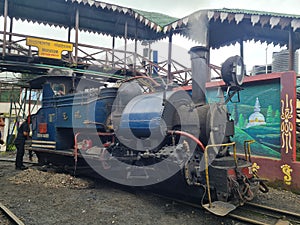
257	117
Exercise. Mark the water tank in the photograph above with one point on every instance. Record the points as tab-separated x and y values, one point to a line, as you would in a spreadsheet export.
280	61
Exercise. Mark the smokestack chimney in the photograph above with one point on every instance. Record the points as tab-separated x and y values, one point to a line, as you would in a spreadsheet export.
199	73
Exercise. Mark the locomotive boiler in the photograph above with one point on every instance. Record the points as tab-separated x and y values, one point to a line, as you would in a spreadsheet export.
169	139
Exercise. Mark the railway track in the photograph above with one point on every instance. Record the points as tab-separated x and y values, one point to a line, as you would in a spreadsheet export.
12	160
7	216
252	213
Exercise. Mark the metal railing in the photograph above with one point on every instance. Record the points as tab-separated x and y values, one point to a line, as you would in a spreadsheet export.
96	57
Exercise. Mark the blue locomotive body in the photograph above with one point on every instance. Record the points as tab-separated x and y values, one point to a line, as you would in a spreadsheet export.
61	114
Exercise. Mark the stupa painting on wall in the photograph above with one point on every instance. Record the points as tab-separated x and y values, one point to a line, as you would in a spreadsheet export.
256	118
256	114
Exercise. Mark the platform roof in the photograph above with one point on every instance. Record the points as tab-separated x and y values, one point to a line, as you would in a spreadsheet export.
226	26
94	16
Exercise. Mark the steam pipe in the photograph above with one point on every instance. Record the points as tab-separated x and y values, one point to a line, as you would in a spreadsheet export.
198	142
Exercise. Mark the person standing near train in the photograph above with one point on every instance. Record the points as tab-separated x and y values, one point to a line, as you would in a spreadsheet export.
1	128
23	134
1	141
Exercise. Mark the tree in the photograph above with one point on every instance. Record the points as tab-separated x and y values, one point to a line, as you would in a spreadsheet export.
270	118
277	116
241	123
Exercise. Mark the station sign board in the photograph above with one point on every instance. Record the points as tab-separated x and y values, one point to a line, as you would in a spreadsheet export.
49	48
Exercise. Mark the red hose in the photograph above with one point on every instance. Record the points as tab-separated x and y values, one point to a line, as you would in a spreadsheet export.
183	133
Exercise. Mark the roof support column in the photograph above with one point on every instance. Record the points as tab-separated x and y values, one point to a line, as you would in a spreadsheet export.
242	48
291	50
113	52
70	54
5	27
69	34
149	69
170	76
10	33
135	49
125	47
76	34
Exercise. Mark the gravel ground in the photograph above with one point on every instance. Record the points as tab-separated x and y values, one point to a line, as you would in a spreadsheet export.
38	197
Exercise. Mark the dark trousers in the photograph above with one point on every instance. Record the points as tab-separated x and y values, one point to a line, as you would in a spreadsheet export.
20	154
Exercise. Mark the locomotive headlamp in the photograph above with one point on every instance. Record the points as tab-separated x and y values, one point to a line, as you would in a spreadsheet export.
233	71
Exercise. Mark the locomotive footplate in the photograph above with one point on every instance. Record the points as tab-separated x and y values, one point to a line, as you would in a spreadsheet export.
219	208
240	185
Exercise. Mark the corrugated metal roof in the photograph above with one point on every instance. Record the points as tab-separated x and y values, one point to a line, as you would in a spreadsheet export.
225	26
228	26
95	16
255	12
158	18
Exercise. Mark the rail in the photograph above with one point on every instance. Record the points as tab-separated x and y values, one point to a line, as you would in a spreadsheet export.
258	214
9	214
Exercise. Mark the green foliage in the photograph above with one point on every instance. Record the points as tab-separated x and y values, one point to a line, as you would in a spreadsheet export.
246	122
7	95
269	117
232	115
11	147
256	148
277	117
241	123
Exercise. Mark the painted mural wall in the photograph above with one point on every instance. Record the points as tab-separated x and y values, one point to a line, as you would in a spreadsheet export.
257	117
267	113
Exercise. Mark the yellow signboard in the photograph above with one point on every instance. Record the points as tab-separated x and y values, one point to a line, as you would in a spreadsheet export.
48	48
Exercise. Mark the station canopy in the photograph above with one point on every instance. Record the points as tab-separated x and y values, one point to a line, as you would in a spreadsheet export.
229	26
94	16
225	26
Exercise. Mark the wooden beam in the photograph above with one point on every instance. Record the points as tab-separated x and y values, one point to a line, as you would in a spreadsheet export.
76	34
170	75
5	27
291	50
125	47
10	33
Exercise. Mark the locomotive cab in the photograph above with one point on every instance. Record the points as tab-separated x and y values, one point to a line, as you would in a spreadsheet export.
68	107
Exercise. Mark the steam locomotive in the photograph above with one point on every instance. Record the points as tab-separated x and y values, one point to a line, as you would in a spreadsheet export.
145	134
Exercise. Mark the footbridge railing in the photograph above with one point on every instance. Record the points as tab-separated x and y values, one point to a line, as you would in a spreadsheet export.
91	57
